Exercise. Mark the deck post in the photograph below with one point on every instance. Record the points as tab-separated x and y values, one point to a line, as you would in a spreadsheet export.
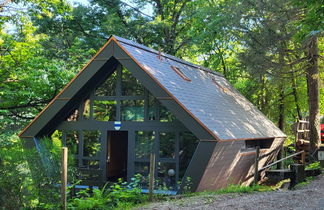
64	177
256	165
151	181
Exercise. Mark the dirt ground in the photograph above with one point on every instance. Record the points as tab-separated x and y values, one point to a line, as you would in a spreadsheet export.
308	197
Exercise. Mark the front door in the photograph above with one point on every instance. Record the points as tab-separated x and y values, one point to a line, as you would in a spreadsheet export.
117	155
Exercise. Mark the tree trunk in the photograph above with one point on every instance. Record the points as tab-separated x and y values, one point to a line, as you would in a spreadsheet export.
313	94
295	94
281	123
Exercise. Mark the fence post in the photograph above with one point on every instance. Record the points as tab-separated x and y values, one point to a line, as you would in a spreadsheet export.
151	181
303	155
64	177
256	165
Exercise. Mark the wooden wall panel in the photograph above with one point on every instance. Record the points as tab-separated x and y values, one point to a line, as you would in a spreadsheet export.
230	164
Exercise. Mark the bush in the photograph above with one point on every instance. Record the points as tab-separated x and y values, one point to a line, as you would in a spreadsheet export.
117	195
26	184
19	187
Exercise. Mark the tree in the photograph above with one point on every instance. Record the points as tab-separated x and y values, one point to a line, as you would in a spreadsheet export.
311	27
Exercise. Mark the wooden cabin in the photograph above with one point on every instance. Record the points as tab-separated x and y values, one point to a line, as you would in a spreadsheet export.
130	101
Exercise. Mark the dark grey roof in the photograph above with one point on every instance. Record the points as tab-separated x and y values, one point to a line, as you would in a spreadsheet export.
208	96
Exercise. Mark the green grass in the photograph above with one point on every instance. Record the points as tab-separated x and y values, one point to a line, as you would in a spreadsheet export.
233	189
307	181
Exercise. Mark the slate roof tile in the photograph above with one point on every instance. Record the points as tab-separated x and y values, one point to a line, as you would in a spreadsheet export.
208	96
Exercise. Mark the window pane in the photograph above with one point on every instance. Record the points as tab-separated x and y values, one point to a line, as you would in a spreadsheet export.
91	141
166	176
144	141
72	141
132	110
187	146
108	88
104	110
167	145
130	85
86	109
166	115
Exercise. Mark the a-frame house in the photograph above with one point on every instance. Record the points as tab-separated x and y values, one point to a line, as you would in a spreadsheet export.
130	101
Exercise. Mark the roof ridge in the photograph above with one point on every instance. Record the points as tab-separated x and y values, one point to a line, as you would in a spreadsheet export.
168	56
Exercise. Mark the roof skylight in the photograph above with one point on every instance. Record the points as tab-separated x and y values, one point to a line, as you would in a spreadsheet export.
180	73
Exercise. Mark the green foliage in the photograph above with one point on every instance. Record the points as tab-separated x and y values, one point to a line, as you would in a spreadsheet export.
307	181
187	185
257	45
313	166
20	184
117	195
236	189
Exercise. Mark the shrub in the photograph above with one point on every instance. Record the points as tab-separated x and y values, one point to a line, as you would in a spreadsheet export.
117	195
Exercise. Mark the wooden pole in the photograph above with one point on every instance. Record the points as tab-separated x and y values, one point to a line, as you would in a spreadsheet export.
256	165
303	154
151	181
64	177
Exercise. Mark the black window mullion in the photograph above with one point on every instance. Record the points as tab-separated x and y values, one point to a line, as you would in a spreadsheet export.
91	106
146	110
118	92
80	147
156	149
177	155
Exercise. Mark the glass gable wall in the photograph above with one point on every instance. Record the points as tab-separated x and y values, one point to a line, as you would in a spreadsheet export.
151	129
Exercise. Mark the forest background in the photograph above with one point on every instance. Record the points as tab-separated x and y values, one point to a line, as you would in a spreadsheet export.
270	50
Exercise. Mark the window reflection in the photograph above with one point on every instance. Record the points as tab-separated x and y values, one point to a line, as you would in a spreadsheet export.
166	115
167	144
144	141
166	176
86	110
130	85
187	146
132	110
104	110
108	88
91	141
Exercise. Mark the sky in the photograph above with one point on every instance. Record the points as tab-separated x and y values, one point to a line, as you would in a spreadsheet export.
75	2
147	10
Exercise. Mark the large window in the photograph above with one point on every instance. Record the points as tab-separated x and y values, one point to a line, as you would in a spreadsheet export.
121	97
173	151
88	156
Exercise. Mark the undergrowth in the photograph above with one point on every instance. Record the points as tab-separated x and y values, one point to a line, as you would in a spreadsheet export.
315	165
120	195
307	181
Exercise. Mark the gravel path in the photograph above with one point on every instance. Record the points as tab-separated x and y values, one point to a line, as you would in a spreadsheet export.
306	197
